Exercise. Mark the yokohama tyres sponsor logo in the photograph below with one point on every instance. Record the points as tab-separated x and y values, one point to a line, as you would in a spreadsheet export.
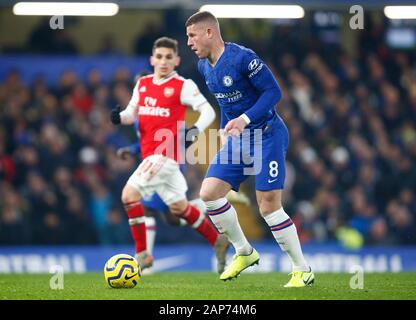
154	111
228	95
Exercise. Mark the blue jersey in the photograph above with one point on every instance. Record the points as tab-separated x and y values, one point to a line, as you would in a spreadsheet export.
242	83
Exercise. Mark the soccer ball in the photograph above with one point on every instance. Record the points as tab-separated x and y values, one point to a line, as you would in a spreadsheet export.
122	271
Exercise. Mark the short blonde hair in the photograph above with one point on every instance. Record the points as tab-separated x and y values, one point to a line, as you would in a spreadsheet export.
201	16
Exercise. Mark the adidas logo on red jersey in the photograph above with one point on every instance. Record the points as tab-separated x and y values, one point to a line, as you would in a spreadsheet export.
154	111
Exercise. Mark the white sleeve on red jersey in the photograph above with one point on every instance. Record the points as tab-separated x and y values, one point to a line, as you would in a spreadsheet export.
129	114
191	96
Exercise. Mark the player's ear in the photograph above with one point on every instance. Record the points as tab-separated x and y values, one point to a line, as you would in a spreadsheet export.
177	61
151	61
210	33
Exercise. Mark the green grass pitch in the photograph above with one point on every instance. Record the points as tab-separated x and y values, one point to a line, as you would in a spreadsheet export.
207	286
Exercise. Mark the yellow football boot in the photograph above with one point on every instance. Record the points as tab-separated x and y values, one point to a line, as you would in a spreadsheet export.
300	279
238	264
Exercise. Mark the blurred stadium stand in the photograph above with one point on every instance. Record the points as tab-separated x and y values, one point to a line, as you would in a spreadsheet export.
349	103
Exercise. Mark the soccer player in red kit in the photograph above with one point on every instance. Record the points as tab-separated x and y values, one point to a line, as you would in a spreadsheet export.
160	101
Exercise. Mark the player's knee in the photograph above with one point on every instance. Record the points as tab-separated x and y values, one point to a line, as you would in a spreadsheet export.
129	195
207	195
268	198
176	212
126	198
269	202
213	189
178	208
173	208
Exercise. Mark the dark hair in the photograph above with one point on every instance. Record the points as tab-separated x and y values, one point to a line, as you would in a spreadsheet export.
201	16
166	42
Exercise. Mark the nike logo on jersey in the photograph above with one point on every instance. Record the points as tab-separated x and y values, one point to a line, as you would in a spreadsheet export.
270	181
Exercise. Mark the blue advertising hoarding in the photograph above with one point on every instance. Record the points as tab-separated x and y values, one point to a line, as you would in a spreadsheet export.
323	258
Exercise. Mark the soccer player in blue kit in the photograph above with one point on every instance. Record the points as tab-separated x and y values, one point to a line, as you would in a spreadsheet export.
247	93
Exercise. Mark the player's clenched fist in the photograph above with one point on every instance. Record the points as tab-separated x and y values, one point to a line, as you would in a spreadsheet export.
115	115
235	126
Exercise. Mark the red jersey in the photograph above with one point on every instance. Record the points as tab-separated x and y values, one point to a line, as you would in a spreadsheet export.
160	106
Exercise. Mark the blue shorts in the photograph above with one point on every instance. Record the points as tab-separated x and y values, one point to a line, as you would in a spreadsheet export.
264	158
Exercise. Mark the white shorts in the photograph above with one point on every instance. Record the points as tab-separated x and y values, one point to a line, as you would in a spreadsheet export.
162	175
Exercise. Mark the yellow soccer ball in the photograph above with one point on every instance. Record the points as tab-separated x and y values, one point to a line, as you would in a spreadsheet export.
122	271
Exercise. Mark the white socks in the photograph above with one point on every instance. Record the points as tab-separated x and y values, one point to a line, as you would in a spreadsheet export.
284	231
150	223
224	217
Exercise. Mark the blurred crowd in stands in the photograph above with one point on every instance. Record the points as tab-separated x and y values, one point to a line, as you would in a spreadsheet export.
351	162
